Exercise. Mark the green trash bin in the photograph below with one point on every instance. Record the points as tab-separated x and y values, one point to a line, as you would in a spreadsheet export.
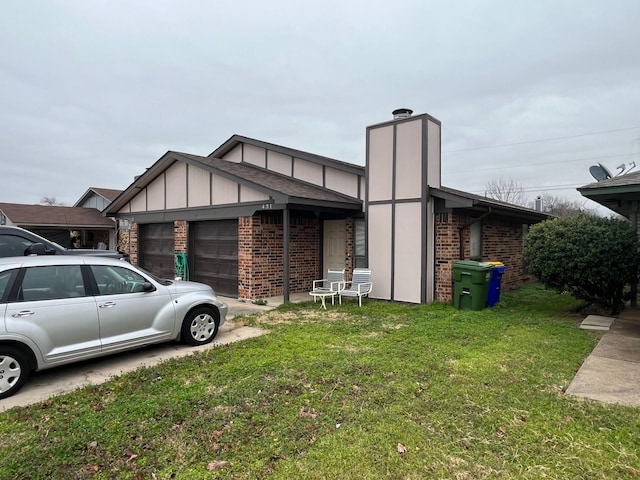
470	284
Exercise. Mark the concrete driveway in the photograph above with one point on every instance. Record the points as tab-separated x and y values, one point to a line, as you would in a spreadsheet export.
47	383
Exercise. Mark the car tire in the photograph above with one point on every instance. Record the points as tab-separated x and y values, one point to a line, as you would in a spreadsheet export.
14	370
200	326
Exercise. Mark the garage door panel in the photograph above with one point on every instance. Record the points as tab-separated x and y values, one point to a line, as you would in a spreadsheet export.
157	249
214	254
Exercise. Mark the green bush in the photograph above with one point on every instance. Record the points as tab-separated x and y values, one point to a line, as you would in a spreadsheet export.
592	258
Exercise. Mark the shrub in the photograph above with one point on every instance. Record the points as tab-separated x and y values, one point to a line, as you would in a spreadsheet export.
590	257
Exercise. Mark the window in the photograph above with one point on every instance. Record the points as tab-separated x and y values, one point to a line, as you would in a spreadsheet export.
13	245
51	282
5	284
360	251
476	241
117	280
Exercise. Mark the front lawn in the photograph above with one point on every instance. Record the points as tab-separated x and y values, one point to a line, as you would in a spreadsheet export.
383	391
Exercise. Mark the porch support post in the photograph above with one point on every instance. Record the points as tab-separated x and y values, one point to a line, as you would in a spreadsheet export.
285	253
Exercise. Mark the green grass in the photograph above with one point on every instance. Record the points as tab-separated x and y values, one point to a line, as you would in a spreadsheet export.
383	391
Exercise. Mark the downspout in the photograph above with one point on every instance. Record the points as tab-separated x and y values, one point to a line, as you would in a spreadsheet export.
467	225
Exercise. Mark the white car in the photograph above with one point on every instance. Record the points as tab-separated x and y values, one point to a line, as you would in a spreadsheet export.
61	309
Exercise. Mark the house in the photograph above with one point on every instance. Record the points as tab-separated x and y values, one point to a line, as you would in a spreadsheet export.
98	198
620	194
68	226
258	220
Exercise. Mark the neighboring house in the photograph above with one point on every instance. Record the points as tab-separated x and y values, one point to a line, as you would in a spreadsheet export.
82	225
257	220
620	194
98	198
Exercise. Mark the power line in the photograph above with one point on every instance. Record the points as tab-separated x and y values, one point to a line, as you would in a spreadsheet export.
540	140
555	163
545	188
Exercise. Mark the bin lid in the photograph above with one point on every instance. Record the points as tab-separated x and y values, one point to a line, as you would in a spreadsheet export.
496	264
471	265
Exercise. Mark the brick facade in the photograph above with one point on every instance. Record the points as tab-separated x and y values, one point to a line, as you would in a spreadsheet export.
260	255
180	236
501	241
128	242
260	251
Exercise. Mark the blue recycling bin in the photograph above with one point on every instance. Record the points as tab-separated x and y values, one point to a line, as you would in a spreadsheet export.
495	283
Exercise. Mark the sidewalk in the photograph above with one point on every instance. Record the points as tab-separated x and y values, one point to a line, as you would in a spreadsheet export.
611	373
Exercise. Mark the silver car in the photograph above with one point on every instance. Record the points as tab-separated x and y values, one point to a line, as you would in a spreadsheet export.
62	309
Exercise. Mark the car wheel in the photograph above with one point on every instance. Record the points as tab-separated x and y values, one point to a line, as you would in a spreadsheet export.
14	371
200	326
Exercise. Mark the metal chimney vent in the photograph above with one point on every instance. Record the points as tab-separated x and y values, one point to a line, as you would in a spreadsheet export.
401	113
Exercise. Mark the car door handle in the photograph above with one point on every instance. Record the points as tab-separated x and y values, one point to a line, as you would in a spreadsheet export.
23	313
108	305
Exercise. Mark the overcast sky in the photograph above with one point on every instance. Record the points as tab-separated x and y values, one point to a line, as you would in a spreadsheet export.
94	92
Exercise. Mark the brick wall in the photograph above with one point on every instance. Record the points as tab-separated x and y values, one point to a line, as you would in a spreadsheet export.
180	236
501	241
128	242
260	255
260	252
350	247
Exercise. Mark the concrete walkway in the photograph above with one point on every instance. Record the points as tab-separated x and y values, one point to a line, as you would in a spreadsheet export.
611	373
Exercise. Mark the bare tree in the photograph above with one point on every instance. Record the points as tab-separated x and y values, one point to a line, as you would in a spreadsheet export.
51	201
562	207
506	190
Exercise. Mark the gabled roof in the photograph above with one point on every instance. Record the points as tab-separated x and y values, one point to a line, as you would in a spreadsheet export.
236	140
108	194
54	216
457	199
282	188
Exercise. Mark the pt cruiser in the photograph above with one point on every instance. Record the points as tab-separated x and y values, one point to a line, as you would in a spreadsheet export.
58	309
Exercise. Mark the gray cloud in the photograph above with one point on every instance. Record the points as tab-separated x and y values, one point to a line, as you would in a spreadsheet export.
95	92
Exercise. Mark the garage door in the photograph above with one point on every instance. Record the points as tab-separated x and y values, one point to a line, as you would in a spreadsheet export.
61	237
214	255
156	253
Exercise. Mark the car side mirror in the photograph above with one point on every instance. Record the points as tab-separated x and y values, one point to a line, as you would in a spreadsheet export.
35	249
147	287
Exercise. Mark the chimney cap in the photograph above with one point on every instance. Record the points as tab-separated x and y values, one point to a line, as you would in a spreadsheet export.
401	113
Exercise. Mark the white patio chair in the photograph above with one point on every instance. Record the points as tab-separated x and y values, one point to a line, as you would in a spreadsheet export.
359	286
328	287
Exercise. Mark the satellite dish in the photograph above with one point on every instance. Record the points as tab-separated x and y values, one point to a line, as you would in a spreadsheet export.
599	172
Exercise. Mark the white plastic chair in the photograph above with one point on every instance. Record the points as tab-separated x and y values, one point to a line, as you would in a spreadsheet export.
359	286
328	287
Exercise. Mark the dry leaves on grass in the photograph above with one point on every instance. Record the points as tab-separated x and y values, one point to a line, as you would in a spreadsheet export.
306	413
129	455
402	449
217	465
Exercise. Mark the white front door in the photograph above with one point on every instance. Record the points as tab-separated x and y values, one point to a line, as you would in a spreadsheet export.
334	244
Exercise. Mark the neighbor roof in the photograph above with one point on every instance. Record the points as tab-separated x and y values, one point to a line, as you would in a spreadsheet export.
54	216
617	193
108	194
